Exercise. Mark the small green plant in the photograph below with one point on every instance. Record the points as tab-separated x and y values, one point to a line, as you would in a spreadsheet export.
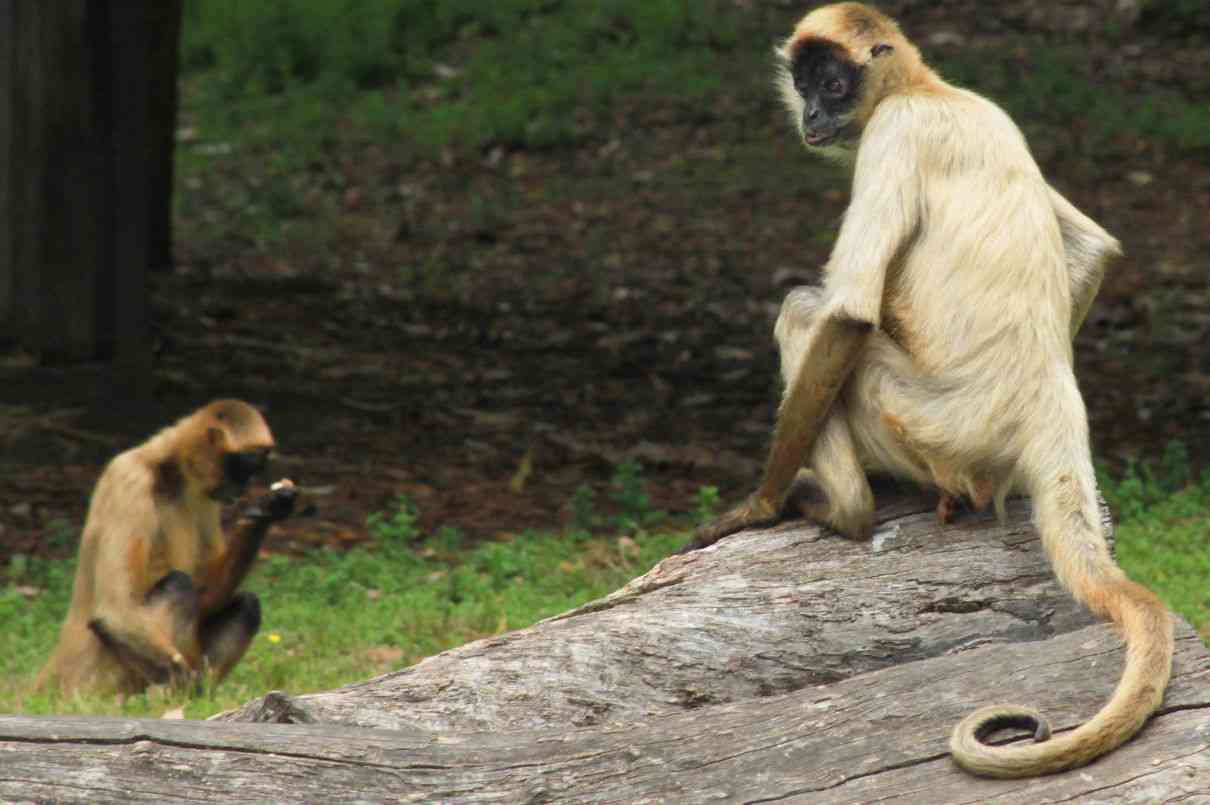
398	529
583	508
61	534
629	494
706	503
1143	484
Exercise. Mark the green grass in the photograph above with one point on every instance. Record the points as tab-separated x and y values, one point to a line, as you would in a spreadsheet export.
333	618
1049	93
466	73
291	103
287	104
460	72
1163	531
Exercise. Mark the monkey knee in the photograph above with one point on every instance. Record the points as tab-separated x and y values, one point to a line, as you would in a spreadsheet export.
798	310
227	634
248	608
242	612
175	583
175	588
804	299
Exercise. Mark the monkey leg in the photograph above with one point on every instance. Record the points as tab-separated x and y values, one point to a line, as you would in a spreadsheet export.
951	503
158	643
848	505
819	352
226	634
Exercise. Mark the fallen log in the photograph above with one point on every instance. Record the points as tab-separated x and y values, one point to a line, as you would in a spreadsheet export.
782	664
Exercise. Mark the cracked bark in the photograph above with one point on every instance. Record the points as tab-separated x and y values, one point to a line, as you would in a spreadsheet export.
784	665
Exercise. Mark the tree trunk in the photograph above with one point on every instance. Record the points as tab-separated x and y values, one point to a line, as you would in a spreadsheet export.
82	147
779	665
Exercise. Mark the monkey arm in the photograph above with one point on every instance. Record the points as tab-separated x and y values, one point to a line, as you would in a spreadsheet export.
835	348
1089	249
227	571
833	354
880	221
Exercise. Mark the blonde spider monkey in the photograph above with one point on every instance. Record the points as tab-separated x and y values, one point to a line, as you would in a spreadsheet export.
939	348
154	598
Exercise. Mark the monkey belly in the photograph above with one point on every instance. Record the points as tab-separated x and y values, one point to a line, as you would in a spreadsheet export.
891	432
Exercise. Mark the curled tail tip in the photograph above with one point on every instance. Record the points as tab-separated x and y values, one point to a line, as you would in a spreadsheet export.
971	750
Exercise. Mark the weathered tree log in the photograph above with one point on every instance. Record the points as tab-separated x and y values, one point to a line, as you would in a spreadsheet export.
779	665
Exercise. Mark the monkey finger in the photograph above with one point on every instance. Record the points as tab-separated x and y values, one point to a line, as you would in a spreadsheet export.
277	505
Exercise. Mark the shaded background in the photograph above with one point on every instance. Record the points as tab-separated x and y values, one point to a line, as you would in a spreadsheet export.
478	257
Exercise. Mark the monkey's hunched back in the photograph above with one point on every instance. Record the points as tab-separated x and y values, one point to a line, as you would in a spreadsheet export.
939	348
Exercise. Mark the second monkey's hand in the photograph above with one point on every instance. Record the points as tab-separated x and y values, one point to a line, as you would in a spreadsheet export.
275	506
754	512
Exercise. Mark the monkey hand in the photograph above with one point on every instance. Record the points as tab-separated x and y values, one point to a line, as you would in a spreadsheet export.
183	675
277	505
752	513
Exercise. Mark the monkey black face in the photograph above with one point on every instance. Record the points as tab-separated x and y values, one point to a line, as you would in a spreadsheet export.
238	470
830	86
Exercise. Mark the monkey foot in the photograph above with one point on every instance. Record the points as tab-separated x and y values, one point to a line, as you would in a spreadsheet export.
950	502
947	506
752	513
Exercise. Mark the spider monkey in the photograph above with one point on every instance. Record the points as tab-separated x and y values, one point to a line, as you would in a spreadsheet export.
155	598
939	347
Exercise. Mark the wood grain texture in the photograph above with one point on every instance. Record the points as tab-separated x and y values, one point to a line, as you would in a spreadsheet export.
779	666
760	613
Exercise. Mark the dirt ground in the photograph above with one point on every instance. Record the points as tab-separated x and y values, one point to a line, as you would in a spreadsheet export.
487	332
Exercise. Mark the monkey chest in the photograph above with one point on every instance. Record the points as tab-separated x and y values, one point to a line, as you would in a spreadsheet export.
190	548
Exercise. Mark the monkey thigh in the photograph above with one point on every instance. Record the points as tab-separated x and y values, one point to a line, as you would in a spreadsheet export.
879	423
903	427
227	633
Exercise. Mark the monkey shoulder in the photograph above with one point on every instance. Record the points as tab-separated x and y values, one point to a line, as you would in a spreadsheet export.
903	129
124	506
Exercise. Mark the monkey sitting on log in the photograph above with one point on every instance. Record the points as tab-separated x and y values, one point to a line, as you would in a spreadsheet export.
939	348
155	596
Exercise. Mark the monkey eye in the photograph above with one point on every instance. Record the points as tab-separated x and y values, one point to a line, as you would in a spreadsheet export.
834	86
240	467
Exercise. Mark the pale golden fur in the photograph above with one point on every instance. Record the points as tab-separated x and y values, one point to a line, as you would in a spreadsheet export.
975	275
153	511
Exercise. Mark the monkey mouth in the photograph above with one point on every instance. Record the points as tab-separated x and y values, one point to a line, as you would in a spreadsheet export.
818	139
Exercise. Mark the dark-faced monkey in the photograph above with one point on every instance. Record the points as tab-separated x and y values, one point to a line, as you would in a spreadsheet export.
155	596
939	347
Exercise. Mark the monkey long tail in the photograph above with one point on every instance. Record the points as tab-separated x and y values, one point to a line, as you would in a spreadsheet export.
1068	518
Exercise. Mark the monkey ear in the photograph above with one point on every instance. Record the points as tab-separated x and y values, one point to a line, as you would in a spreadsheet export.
880	49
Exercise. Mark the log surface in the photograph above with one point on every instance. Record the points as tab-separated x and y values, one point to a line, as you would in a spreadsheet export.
784	665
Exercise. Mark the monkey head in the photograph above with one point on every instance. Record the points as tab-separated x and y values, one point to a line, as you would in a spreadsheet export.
839	62
827	86
226	444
